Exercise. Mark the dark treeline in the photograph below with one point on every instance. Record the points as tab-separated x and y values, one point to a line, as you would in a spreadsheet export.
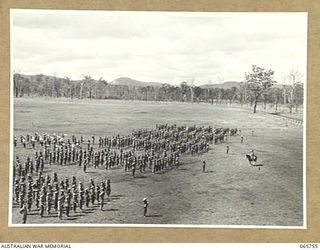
52	86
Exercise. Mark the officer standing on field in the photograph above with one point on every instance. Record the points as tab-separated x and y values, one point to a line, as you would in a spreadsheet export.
204	166
145	207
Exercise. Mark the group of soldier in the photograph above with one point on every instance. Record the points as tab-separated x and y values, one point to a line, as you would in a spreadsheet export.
155	150
45	193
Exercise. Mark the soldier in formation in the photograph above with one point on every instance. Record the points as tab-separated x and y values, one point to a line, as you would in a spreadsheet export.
154	150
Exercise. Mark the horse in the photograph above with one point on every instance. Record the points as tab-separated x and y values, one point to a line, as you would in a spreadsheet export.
254	159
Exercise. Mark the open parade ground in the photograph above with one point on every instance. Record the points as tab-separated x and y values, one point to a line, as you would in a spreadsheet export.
230	191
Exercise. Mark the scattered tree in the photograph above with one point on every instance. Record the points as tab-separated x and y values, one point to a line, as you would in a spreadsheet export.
294	79
258	82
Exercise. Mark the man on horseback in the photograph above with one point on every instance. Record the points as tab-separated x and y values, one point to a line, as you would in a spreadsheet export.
253	156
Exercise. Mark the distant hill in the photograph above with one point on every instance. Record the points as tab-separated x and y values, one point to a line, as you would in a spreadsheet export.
123	88
131	82
225	85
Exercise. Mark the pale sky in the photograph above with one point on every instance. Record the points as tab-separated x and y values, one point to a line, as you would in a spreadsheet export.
166	47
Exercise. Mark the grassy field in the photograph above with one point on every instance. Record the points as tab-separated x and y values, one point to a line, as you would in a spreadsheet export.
230	193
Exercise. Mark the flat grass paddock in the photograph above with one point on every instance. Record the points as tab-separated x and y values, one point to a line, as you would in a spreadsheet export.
230	193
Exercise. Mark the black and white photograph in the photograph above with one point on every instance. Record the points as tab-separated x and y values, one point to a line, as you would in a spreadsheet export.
158	119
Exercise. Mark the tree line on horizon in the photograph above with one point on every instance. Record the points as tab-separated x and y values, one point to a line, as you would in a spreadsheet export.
258	87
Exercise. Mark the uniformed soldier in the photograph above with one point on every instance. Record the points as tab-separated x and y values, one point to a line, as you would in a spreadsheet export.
55	200
66	183
63	196
204	166
67	205
93	195
108	188
100	142
24	213
60	208
50	158
73	151
103	186
21	198
42	205
92	185
145	207
48	203
75	201
97	193
92	139
31	167
37	198
87	197
81	200
24	143
29	201
41	164
55	177
33	143
54	156
73	181
16	190
85	165
133	169
101	196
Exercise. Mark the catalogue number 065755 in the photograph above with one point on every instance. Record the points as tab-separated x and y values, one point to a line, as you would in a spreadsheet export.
305	246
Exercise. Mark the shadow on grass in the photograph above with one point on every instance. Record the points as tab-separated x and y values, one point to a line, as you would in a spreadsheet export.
96	205
33	213
256	165
114	168
87	212
141	176
89	209
114	198
70	218
117	196
154	215
182	169
77	215
111	209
